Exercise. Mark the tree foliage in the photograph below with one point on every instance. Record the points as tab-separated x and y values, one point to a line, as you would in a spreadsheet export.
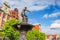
12	33
35	35
9	31
2	34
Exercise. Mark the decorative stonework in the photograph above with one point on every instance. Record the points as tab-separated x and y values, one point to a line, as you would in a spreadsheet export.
5	8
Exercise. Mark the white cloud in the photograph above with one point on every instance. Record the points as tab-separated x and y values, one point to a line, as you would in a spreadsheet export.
56	14
45	16
54	28
55	24
48	30
37	7
41	4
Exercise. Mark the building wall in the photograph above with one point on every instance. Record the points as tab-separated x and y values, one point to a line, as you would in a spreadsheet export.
58	37
37	27
1	16
14	13
5	17
53	37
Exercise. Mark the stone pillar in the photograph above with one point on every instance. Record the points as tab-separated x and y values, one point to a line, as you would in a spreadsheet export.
1	17
22	35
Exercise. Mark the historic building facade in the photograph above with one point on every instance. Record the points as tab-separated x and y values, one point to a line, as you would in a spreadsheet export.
5	17
52	37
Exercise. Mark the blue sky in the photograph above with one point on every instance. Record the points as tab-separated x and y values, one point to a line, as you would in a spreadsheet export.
44	12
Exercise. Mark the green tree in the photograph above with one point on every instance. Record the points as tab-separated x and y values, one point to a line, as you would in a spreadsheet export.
35	35
9	31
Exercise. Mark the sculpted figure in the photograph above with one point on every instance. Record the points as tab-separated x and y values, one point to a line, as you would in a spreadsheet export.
24	17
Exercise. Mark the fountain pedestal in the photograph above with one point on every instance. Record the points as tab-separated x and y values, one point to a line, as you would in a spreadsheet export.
24	26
